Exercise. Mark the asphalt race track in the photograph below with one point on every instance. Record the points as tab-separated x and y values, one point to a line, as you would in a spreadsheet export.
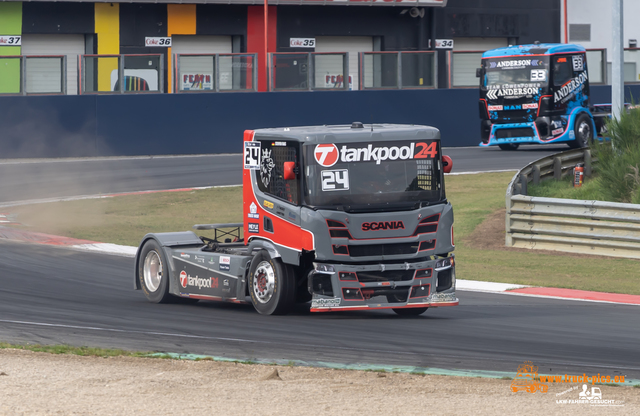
25	180
55	295
58	296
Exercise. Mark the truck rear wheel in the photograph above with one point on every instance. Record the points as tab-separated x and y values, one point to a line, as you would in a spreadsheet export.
153	273
410	311
584	132
508	146
271	285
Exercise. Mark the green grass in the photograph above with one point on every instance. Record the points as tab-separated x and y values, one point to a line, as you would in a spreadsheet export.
68	349
126	219
590	189
474	197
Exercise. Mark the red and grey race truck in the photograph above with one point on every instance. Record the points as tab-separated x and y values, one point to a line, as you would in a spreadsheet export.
349	217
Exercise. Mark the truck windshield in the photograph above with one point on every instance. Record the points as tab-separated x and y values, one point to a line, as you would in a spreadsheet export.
516	72
354	176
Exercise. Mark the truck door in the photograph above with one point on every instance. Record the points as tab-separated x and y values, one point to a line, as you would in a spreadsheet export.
569	81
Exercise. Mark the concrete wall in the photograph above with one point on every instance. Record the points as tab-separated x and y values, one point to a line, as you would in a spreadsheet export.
139	124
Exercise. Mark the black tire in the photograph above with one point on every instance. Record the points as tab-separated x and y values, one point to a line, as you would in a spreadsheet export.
271	295
583	130
509	146
155	284
410	311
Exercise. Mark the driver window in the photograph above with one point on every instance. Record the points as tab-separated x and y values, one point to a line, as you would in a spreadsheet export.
562	70
271	174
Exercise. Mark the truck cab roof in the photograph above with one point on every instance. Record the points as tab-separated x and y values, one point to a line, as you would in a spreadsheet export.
355	132
533	49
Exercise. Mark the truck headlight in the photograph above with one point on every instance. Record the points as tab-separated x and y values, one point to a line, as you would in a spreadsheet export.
443	263
325	268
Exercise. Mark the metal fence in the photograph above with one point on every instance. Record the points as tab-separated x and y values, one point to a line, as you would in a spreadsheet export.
575	226
397	70
291	71
141	73
287	71
215	72
33	74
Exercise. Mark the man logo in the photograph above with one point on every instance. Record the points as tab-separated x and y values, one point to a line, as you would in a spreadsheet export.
183	279
326	154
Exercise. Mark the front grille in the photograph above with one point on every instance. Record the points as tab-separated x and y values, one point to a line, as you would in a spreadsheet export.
393	295
515	116
426	228
342	250
335	224
427	245
387	275
340	234
383	249
514	132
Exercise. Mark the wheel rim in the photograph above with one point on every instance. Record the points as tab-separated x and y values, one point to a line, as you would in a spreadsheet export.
152	271
584	133
264	282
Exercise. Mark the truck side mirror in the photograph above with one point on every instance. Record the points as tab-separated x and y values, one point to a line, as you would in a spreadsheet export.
289	171
447	164
478	72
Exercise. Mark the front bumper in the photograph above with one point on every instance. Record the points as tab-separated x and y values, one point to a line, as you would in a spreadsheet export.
511	130
340	287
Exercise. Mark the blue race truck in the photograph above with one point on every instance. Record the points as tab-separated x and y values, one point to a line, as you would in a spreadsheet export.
537	94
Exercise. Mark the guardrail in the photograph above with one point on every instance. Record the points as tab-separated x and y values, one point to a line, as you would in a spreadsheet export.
556	166
575	226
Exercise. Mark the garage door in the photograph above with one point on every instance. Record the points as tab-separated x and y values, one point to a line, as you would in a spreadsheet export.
43	74
351	44
202	65
465	64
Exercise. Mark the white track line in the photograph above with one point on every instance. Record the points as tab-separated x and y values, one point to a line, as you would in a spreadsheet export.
480	171
106	158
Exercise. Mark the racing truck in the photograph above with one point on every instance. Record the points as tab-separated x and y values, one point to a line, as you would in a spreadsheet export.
349	217
537	94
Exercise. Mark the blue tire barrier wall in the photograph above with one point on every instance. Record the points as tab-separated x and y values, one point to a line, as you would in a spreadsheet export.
163	124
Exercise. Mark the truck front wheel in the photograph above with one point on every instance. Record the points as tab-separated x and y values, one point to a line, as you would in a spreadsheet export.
153	273
271	285
410	311
583	131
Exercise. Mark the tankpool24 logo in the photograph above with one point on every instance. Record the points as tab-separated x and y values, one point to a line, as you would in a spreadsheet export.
188	280
327	154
